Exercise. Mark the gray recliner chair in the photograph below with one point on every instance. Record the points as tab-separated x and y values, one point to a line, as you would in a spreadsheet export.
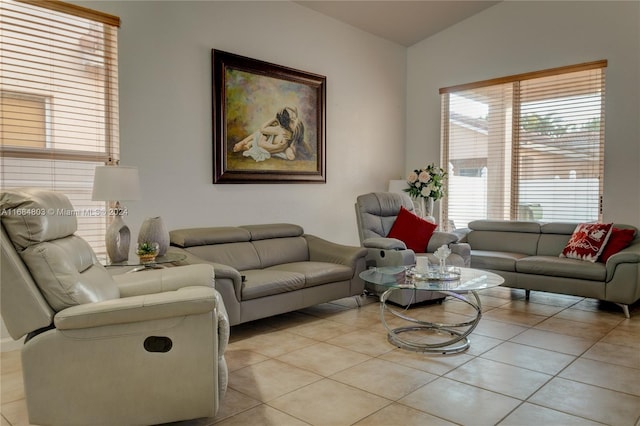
376	213
139	348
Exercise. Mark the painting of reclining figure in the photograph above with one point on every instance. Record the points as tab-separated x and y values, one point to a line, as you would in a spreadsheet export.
268	122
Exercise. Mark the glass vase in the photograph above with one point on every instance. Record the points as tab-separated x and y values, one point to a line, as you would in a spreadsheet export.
424	207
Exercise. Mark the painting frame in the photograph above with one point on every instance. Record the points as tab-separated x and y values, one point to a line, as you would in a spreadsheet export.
269	122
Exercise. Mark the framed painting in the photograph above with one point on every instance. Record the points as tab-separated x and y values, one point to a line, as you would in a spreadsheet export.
268	122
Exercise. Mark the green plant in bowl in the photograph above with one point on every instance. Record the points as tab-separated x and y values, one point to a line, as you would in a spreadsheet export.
147	251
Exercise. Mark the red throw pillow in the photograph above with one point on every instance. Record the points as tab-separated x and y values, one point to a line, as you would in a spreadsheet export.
619	239
588	241
415	232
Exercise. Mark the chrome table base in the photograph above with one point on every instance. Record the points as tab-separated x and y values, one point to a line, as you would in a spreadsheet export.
455	335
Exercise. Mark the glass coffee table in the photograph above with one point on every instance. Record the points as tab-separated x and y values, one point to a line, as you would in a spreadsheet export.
158	263
425	336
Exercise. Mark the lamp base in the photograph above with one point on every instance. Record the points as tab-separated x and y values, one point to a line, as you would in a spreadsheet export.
118	240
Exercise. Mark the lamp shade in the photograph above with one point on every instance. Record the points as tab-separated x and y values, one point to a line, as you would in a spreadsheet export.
397	185
116	183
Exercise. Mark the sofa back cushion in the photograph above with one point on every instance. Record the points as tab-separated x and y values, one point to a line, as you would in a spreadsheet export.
554	237
241	256
276	251
245	247
504	236
278	243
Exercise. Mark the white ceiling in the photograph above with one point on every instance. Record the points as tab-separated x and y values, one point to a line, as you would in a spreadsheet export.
403	22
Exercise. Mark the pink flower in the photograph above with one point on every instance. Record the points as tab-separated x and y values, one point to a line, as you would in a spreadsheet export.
412	177
424	176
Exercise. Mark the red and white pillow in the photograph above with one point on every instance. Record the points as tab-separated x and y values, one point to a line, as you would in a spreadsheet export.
588	241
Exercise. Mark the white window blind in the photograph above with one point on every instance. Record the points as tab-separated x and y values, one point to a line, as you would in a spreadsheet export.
58	102
525	147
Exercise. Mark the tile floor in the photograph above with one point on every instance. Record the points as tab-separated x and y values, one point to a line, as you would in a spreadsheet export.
555	360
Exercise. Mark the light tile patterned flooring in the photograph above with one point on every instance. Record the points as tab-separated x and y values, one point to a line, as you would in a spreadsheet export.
554	360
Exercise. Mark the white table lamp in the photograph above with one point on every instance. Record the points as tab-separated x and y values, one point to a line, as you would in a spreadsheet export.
116	183
397	185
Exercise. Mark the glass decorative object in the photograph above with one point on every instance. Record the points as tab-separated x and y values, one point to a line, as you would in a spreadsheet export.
441	254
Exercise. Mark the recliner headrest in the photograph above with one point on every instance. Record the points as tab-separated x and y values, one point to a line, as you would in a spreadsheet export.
32	215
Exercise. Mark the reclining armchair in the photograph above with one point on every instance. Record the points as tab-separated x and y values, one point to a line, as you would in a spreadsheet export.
376	213
139	348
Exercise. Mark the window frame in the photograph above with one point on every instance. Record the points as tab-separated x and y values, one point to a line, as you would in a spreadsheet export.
515	178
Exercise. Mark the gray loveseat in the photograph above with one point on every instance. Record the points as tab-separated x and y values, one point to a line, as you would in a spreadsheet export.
264	270
526	254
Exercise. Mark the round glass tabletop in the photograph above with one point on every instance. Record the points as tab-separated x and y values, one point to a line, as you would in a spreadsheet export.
401	277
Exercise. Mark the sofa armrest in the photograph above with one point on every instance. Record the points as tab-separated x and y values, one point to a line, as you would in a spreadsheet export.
384	243
439	238
221	270
463	250
629	254
462	234
381	257
170	304
161	280
321	250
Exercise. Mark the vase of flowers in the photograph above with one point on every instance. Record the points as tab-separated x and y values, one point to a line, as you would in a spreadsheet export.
426	186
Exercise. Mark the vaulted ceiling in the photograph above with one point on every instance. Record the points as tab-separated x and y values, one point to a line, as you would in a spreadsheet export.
403	22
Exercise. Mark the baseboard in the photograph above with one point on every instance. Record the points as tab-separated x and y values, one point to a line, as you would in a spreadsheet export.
7	344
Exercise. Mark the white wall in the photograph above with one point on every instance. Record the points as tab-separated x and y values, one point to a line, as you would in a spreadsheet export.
166	120
515	37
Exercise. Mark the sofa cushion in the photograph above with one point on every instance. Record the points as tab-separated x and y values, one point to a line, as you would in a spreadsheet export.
552	244
509	242
561	267
498	260
587	241
240	256
414	231
275	251
317	273
192	237
268	282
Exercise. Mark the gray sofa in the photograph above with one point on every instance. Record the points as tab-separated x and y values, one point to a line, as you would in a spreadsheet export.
264	270
526	254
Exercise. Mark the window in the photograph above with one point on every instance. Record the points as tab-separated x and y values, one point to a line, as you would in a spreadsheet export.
58	102
525	147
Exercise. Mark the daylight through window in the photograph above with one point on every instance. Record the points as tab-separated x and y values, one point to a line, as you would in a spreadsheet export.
58	102
526	147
